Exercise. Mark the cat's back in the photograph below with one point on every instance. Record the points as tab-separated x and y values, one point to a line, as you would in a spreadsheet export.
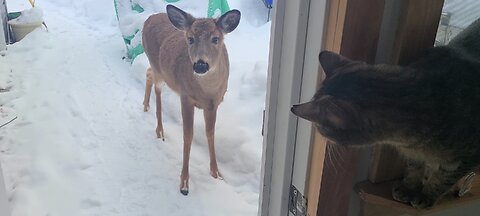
450	87
468	41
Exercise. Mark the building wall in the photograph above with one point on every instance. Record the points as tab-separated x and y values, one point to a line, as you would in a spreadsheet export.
463	12
456	16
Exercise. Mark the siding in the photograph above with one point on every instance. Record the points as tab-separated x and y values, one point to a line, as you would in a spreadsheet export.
463	12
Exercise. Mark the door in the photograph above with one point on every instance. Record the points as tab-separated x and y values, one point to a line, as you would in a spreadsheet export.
297	35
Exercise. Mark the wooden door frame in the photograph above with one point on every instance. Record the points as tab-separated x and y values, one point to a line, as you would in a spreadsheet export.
363	38
404	38
286	69
352	29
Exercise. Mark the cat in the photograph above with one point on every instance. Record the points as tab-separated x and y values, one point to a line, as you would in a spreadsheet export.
429	111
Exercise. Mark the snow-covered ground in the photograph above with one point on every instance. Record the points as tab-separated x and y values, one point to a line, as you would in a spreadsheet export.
82	144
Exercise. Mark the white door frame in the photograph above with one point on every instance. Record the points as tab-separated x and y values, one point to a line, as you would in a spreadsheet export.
296	39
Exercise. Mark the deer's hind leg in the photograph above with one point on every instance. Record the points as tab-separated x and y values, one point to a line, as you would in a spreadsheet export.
148	89
155	79
158	98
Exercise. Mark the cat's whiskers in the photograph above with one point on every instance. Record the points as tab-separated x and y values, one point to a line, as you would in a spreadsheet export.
333	158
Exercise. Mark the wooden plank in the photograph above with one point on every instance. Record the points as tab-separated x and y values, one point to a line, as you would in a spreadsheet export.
336	19
378	198
336	10
362	29
376	210
334	27
337	180
387	165
417	27
353	31
316	171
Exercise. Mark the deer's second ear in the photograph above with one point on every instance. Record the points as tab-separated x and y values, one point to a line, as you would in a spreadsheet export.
330	61
229	21
179	18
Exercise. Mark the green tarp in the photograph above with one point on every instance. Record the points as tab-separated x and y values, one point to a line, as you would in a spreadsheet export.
215	9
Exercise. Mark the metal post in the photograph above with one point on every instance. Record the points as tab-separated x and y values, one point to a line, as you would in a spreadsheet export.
4	207
3	26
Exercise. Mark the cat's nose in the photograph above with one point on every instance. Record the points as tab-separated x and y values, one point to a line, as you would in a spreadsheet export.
297	110
294	109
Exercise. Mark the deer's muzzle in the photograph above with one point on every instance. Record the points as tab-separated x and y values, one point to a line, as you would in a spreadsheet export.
200	67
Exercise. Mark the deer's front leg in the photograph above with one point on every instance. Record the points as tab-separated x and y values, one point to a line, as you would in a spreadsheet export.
158	99
210	116
187	116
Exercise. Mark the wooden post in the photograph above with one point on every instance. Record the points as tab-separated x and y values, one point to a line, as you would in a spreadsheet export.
417	29
417	26
353	31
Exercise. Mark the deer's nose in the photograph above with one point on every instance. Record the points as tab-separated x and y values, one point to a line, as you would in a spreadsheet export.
200	67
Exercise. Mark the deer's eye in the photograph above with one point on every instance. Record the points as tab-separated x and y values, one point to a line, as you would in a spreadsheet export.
191	40
215	40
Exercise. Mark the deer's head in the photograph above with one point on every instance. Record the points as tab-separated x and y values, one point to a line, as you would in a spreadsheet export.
204	37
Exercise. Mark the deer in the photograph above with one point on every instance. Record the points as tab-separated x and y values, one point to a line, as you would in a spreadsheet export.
189	55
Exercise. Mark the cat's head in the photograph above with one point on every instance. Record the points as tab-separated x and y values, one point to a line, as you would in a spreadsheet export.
334	109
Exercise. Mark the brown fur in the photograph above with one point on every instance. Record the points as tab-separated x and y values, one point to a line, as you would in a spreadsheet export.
172	61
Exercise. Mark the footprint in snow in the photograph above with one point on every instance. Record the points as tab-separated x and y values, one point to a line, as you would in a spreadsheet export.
90	203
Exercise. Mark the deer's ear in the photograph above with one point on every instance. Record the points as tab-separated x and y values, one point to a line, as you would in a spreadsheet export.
229	21
330	61
179	18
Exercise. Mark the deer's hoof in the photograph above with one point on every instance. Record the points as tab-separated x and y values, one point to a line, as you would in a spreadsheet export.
216	175
160	134
184	188
184	191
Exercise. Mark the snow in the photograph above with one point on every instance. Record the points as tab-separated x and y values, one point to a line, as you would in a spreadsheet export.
82	145
32	15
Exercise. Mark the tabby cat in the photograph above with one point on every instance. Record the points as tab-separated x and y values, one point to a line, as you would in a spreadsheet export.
429	111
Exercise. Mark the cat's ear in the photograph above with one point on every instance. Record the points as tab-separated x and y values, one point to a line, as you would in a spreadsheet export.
331	61
328	110
308	111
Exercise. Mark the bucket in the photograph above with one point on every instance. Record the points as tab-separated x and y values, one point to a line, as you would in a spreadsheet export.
22	29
